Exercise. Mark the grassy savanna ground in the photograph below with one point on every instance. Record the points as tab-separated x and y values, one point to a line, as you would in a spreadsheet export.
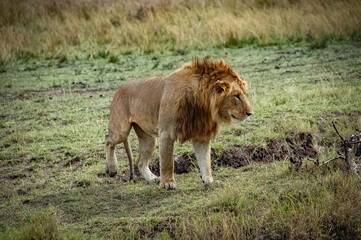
53	120
61	62
81	29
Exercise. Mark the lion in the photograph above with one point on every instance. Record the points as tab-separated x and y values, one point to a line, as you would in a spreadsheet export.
186	105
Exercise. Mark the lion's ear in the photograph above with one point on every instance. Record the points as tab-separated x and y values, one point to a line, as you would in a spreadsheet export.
221	86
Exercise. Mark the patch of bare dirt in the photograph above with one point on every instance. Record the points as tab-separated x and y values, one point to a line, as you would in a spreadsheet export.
294	148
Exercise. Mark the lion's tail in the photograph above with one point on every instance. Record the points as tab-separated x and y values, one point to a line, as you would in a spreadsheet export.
130	158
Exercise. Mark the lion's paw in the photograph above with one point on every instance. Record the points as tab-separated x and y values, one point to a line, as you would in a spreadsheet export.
207	181
153	180
111	172
168	185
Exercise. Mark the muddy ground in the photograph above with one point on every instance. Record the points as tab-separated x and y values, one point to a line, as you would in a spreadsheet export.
293	148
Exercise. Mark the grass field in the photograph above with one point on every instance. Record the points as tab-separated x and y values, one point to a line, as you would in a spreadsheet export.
61	62
53	120
86	29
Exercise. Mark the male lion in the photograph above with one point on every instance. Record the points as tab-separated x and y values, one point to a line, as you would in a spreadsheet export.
189	104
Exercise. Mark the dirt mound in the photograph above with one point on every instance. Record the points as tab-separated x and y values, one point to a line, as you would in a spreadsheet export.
294	148
301	147
182	164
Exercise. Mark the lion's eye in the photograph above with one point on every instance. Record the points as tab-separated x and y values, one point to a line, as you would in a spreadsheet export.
238	97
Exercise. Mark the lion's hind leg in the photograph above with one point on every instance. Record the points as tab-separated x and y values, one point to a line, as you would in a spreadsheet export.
146	148
111	140
111	163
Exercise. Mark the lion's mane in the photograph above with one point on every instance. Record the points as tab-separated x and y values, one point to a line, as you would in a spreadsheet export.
197	109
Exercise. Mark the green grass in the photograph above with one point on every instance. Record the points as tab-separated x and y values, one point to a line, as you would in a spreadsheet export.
53	120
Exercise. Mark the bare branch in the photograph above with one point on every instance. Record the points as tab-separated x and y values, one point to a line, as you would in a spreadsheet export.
328	161
343	152
334	126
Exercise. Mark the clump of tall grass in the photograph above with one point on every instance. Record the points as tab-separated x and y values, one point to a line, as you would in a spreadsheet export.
41	225
40	28
327	207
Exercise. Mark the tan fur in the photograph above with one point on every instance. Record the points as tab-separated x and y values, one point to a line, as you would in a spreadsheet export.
188	104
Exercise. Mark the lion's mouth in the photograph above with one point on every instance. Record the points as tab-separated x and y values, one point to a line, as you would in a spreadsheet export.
237	118
234	117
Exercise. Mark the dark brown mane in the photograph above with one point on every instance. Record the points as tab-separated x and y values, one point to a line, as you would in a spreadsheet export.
194	120
209	66
196	115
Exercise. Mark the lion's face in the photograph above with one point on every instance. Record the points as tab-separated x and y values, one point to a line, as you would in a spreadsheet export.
234	102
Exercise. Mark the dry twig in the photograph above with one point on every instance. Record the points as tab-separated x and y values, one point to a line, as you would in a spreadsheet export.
349	151
348	146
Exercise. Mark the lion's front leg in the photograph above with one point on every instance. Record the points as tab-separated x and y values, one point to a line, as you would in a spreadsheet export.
166	161
203	155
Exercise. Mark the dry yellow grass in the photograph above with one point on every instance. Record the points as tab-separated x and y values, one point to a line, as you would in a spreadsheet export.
48	28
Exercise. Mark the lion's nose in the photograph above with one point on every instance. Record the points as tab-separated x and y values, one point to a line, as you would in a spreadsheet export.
249	114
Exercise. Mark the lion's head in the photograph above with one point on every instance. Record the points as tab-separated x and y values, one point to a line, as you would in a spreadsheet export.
221	96
232	102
